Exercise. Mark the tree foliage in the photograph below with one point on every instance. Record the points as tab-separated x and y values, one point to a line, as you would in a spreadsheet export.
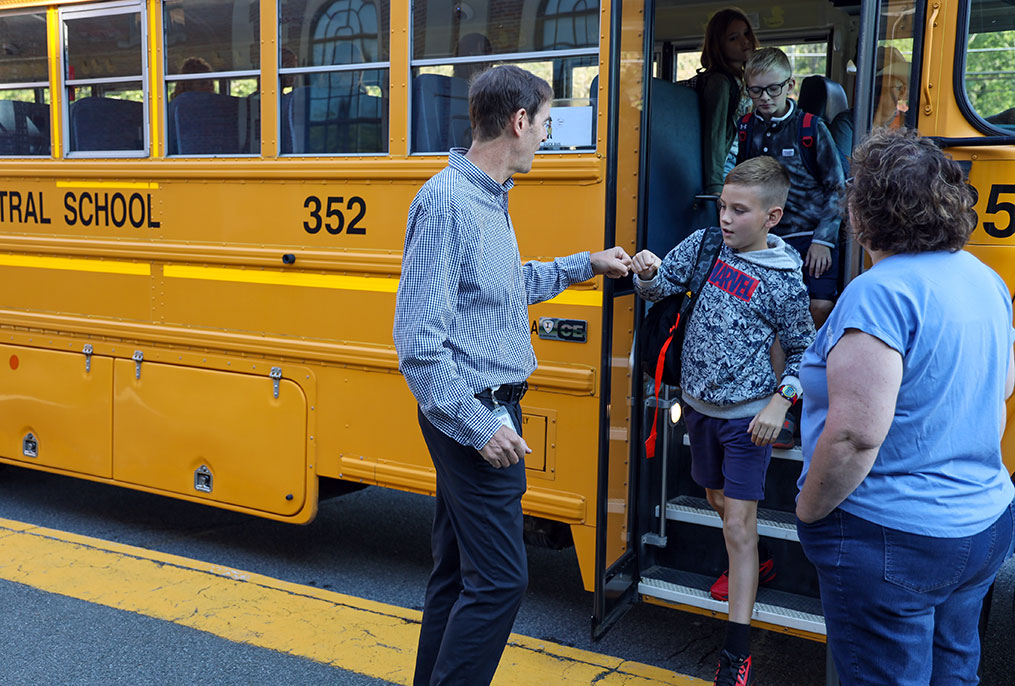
990	72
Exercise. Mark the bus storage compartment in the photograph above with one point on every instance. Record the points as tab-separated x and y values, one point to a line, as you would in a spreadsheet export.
55	409
237	439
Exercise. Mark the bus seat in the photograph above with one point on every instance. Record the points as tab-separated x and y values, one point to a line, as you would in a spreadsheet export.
675	174
251	119
201	123
285	137
98	123
24	128
594	100
335	117
367	124
440	106
822	97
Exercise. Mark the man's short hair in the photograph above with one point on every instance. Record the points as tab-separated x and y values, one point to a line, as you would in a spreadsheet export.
499	92
767	59
765	174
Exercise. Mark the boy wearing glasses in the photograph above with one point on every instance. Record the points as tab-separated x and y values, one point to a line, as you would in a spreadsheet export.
811	219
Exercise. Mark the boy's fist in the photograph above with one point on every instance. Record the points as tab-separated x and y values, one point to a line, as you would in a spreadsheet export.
645	264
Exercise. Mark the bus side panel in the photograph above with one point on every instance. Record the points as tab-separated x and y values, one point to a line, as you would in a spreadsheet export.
59	404
222	436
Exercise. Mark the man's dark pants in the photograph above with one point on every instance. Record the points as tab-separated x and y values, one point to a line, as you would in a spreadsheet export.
480	571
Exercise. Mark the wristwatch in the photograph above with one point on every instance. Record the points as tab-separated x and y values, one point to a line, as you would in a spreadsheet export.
789	393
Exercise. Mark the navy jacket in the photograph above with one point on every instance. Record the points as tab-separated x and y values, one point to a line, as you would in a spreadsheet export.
812	208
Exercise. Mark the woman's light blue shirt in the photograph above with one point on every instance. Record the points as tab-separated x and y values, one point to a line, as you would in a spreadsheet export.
939	471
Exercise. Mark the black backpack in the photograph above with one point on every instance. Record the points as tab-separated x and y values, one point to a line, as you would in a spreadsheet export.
661	336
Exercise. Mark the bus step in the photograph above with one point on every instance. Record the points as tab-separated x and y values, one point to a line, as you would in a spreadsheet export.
771	523
794	453
774	607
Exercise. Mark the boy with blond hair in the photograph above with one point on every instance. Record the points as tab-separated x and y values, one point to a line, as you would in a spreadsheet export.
811	217
734	404
803	146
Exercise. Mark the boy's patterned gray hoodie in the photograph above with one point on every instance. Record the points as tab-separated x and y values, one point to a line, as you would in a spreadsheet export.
750	297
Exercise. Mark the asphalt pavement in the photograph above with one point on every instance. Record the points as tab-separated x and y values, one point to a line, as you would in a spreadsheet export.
372	544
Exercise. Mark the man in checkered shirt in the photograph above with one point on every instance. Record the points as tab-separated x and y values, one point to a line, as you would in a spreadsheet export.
464	345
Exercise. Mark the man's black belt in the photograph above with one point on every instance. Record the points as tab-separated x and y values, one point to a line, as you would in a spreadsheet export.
505	393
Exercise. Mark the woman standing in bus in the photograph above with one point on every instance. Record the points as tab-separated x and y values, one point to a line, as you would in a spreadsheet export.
729	41
905	505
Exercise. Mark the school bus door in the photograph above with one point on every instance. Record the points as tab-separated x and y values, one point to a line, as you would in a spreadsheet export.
616	578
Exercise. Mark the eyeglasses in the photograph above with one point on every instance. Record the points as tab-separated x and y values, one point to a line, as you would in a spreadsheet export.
772	89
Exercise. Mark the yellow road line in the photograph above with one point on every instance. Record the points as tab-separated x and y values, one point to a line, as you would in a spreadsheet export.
129	185
349	633
76	264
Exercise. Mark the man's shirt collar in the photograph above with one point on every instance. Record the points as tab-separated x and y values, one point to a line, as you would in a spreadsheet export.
458	160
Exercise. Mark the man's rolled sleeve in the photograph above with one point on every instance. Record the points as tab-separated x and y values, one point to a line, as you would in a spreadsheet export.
544	280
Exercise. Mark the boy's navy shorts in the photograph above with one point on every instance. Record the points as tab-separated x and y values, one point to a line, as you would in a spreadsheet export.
826	286
724	458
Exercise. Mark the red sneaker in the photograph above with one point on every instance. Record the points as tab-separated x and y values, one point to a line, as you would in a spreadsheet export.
721	588
732	670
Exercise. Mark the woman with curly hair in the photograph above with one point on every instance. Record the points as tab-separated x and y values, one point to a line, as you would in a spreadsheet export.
905	506
729	41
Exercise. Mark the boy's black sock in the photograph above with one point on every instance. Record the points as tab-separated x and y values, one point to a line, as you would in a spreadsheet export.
738	639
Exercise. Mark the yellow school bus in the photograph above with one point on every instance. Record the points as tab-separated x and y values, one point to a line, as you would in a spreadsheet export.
202	209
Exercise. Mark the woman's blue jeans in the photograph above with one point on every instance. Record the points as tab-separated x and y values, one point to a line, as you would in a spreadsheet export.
902	608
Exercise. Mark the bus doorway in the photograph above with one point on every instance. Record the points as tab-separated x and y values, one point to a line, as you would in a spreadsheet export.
678	550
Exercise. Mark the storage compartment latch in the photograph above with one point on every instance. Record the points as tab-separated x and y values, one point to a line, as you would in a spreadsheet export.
30	445
138	359
276	376
202	479
87	350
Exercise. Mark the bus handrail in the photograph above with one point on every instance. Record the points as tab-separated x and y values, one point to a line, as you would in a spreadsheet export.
972	141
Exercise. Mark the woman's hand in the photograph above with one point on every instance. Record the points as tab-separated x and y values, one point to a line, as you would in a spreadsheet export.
767	424
645	264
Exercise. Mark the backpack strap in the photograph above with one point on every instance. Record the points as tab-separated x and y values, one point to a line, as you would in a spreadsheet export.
745	136
806	135
708	253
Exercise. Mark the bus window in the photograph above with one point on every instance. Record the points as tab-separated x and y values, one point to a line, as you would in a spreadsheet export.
893	65
212	77
990	63
333	77
557	40
104	77
807	59
24	85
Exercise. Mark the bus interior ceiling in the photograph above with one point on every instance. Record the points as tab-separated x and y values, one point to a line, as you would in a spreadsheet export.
820	36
